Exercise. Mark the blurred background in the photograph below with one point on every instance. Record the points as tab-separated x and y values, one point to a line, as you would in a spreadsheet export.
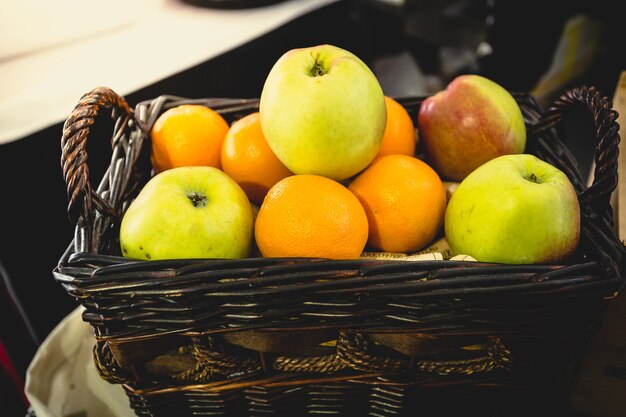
51	52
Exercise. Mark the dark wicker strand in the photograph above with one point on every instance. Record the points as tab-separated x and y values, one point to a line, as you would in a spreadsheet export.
353	349
497	356
320	364
462	366
211	361
107	366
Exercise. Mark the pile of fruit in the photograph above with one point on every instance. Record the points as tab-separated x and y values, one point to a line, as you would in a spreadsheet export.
331	168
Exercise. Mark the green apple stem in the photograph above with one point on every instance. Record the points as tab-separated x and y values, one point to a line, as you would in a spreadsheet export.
533	178
317	69
198	200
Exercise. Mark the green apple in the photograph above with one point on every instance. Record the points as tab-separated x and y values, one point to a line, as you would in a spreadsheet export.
470	122
323	112
514	209
188	212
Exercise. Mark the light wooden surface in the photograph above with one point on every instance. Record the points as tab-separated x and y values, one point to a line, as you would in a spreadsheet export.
619	202
600	385
59	50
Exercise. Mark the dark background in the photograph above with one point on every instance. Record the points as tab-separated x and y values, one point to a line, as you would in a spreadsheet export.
34	229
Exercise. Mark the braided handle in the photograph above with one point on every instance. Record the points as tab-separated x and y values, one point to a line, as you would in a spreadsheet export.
607	138
74	151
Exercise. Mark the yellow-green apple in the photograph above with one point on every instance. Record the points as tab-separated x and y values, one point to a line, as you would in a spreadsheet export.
323	112
514	209
470	122
188	212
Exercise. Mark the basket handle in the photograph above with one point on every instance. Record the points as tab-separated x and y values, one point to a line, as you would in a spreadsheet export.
595	200
74	151
598	195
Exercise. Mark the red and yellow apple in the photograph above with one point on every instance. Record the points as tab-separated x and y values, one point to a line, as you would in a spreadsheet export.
469	123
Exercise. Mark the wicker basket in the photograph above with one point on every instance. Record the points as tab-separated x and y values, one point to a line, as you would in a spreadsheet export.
311	336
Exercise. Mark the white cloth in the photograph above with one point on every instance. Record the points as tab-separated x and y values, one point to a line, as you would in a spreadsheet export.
62	379
51	53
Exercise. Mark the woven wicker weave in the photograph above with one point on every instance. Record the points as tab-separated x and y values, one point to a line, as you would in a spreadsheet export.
295	336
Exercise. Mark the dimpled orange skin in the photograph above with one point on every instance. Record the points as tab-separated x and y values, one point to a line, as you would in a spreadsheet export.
399	134
311	216
404	200
249	160
187	135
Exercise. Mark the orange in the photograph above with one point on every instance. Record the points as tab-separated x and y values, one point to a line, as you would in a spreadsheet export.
248	159
399	134
187	135
310	216
405	202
